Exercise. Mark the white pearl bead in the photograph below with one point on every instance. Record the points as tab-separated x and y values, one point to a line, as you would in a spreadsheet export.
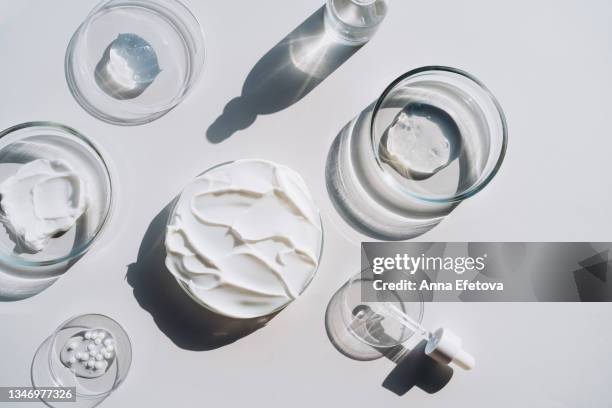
110	348
72	360
99	365
99	357
91	346
101	335
108	342
108	356
90	363
88	335
98	341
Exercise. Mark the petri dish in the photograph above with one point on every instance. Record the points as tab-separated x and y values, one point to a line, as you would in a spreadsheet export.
232	277
359	321
62	359
132	61
37	142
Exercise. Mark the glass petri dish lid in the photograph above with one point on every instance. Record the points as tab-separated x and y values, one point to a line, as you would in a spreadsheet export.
132	61
458	108
91	353
39	160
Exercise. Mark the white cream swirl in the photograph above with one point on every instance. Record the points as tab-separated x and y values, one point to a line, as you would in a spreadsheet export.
44	198
244	238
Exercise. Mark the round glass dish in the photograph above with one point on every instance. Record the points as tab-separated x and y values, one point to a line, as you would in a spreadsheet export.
186	250
52	367
132	61
27	142
464	110
358	319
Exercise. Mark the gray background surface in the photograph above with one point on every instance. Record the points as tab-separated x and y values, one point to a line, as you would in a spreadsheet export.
548	62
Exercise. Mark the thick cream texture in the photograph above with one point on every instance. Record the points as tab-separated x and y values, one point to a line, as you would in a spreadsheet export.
44	198
245	238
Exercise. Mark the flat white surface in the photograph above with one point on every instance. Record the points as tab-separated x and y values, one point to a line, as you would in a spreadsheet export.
548	62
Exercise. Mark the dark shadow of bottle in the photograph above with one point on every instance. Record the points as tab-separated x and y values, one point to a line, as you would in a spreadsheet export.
416	369
186	323
283	76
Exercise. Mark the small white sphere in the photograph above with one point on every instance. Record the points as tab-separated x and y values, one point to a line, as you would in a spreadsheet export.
72	360
110	348
99	365
88	335
108	342
91	346
108	356
91	363
99	357
101	335
93	353
98	341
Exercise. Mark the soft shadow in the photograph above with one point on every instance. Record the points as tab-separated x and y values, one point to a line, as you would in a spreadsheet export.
283	76
187	324
416	368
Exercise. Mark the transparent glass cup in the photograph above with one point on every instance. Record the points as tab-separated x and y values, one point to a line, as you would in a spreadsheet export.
435	137
354	21
365	324
132	61
50	370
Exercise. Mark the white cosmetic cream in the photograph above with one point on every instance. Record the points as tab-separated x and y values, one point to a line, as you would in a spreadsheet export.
43	199
245	238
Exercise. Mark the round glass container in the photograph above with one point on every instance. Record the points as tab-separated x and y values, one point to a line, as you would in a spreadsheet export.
27	142
435	137
183	283
132	61
359	321
51	367
354	21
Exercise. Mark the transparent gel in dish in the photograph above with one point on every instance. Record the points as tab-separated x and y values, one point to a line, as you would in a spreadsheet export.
132	61
435	137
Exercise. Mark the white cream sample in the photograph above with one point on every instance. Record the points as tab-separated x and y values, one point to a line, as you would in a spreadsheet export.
44	198
245	238
89	354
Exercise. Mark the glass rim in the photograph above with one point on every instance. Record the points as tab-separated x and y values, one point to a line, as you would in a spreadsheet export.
82	249
144	115
63	325
184	284
481	184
